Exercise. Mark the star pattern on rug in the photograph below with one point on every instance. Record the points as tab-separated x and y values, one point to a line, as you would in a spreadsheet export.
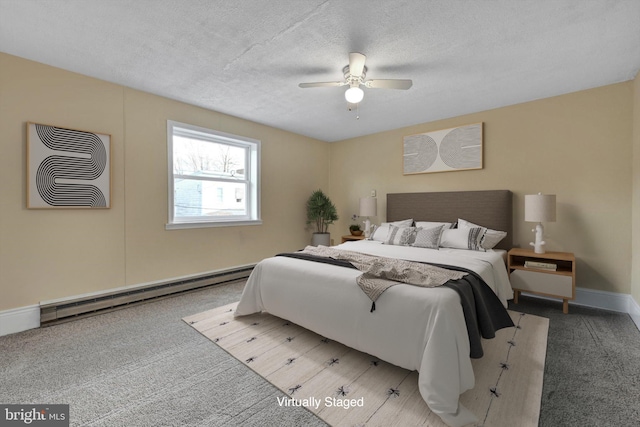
293	389
343	390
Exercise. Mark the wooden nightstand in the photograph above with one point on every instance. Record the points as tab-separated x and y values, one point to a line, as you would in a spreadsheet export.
351	238
559	283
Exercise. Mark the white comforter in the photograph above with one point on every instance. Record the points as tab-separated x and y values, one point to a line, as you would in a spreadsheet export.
412	327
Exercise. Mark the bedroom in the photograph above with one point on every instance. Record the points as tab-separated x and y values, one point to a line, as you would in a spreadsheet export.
553	144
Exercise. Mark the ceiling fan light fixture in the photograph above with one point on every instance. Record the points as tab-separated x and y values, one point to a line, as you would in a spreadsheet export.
354	95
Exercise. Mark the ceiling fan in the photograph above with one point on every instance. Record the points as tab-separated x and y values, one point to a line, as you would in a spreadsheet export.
354	77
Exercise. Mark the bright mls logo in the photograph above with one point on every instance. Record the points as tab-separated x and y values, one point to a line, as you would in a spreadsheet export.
34	415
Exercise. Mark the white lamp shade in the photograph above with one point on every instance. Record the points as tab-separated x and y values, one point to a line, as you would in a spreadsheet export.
368	206
354	95
540	207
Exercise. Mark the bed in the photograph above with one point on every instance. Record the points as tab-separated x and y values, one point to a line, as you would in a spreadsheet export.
324	298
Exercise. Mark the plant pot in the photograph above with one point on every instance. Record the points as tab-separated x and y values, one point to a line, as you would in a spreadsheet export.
323	239
356	232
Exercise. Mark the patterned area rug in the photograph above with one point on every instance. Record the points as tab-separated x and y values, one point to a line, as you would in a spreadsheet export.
345	387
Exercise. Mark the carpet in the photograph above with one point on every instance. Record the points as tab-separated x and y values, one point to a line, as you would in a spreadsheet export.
345	387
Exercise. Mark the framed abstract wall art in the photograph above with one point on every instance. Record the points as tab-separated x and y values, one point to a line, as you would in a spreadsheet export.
67	168
444	150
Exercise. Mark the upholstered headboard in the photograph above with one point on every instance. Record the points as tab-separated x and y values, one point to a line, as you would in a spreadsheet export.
489	208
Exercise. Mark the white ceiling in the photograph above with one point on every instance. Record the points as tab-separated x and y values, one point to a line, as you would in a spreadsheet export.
246	57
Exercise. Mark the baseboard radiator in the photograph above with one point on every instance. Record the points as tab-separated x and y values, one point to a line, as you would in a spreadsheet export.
75	308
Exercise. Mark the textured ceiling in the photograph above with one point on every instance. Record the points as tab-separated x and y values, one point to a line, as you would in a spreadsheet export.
246	57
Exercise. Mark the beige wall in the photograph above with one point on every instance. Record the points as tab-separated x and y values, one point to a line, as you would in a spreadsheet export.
584	147
49	254
577	146
635	273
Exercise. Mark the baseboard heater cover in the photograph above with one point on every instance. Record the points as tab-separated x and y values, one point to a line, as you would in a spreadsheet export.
74	308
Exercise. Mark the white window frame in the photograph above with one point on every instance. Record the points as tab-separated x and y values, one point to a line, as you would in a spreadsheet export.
252	174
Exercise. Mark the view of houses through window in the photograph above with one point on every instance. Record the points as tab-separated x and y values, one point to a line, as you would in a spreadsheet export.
214	176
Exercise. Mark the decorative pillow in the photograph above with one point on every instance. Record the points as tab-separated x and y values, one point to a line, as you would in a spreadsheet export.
428	237
381	232
403	223
491	237
463	238
430	224
402	236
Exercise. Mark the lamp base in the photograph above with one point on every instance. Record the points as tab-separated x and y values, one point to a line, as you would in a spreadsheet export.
367	228
538	246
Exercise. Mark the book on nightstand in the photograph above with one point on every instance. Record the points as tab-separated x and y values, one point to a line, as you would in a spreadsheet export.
541	265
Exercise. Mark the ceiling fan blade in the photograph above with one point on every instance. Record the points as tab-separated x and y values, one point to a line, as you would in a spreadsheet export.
389	84
321	84
356	63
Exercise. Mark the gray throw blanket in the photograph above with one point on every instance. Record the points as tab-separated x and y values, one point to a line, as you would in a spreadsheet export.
380	273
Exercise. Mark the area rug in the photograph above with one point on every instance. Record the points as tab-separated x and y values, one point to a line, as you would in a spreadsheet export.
346	387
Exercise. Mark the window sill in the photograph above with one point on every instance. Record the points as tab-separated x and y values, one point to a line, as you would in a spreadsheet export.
183	225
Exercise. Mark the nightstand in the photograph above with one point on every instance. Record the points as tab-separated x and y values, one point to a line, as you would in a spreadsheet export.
351	238
535	273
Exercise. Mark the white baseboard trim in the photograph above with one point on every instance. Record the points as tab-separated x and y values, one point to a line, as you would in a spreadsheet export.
28	317
613	301
19	319
634	311
602	299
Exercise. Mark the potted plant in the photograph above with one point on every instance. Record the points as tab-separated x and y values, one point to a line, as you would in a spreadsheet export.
321	213
355	228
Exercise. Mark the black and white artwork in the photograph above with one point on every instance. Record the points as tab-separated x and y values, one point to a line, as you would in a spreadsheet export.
67	168
452	149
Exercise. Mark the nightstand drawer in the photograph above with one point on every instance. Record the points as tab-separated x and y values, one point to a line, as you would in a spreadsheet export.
550	284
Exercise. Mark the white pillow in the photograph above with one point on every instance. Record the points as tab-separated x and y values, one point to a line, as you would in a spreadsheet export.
491	237
431	224
403	223
401	236
462	238
428	237
381	232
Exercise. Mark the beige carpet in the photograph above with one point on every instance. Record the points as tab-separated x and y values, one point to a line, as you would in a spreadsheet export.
345	387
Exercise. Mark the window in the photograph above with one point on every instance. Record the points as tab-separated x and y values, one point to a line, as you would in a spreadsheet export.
213	178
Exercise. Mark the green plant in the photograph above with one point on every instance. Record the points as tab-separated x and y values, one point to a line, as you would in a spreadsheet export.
355	226
321	211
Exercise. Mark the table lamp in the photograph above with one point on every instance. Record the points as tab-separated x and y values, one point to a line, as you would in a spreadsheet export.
539	208
368	207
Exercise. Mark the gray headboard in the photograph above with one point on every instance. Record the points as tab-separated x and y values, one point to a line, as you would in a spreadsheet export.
489	208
